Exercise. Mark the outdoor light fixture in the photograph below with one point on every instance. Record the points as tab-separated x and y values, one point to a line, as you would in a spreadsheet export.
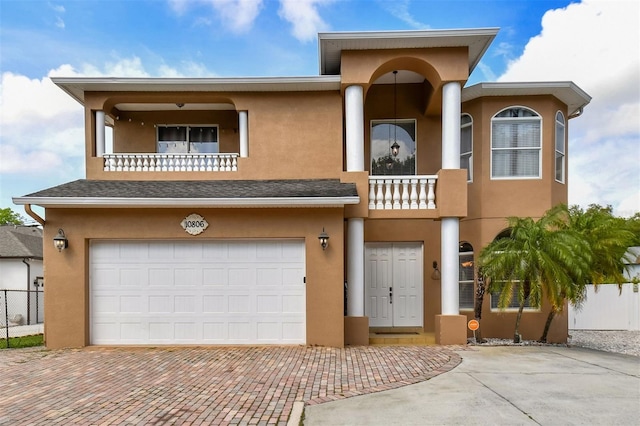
435	275
324	239
395	149
60	241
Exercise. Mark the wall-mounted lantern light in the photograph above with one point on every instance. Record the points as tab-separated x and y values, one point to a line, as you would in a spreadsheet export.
435	275
60	241
324	239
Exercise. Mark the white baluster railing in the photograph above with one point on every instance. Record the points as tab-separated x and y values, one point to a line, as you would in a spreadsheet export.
402	192
170	162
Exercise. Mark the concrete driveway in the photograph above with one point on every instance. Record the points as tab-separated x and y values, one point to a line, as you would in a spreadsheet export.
252	385
509	385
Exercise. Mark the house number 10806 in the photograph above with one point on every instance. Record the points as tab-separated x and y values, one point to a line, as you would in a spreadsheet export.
194	224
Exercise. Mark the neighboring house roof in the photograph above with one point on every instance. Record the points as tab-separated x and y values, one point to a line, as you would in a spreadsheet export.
566	91
331	45
18	241
224	193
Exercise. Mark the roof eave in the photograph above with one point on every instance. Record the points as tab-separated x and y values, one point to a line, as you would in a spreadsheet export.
124	202
485	35
77	86
566	91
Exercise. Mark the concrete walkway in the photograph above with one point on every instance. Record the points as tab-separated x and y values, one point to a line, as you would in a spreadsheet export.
505	386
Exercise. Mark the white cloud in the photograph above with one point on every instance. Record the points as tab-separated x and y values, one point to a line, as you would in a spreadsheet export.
400	9
43	127
237	15
57	7
596	44
304	16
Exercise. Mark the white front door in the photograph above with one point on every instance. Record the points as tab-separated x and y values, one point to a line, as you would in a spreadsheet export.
393	284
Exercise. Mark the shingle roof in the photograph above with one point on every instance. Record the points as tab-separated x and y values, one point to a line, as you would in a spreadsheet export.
20	241
223	192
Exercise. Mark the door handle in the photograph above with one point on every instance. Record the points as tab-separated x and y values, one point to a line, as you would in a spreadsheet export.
390	295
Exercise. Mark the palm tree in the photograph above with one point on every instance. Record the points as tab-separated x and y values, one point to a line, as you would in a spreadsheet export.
536	258
608	238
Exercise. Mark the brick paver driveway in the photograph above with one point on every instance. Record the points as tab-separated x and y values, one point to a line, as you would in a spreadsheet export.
212	385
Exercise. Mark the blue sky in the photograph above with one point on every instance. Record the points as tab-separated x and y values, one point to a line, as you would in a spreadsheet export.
594	43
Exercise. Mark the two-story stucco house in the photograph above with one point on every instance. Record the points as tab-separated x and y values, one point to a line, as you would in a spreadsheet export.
202	224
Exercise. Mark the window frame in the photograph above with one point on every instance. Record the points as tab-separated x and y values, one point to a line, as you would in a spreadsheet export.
560	154
514	120
393	122
187	141
514	305
466	282
468	154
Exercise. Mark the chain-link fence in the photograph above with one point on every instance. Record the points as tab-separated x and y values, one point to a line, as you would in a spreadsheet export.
20	312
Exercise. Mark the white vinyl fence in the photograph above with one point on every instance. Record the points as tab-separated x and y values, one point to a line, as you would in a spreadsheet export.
608	309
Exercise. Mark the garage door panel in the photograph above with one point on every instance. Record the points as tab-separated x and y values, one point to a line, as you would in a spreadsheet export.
231	292
214	277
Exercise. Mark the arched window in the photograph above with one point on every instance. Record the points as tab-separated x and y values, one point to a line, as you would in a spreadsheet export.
466	276
466	145
386	133
516	144
560	147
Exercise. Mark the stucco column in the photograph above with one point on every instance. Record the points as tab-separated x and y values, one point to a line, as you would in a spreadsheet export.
354	128
243	130
100	139
450	235
450	226
355	267
450	326
451	93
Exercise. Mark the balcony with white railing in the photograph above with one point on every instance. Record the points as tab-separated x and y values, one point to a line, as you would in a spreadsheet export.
153	162
402	192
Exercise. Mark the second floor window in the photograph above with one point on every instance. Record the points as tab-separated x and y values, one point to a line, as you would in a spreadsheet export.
516	144
560	134
187	139
386	133
466	145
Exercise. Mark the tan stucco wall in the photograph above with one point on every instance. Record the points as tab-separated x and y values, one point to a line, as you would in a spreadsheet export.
284	129
66	273
436	65
512	197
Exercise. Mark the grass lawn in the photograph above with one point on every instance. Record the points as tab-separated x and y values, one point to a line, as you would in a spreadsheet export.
22	342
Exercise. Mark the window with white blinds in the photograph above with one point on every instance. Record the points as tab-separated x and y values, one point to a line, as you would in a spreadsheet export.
466	277
516	144
466	145
560	147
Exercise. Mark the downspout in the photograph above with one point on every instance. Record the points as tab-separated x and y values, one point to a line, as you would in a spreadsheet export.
27	208
28	290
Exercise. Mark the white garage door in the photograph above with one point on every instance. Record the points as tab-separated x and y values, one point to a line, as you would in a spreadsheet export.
205	292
